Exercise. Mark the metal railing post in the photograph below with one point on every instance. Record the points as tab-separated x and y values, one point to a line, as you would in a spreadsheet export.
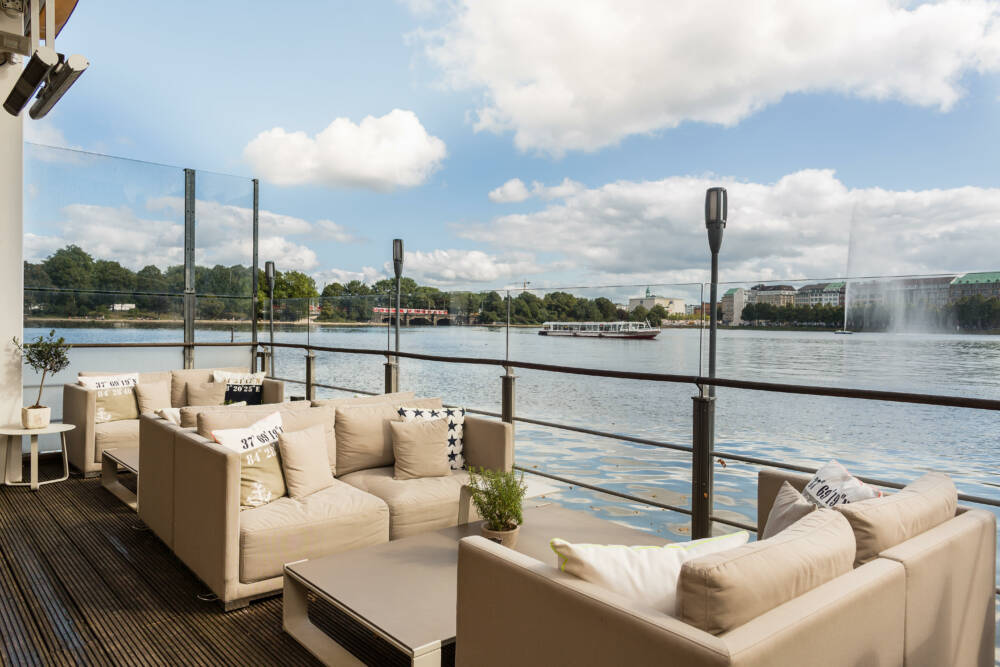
702	467
189	275
310	376
507	396
391	377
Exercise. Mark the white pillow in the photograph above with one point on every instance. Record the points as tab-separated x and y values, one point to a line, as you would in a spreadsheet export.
238	378
172	415
647	575
108	381
832	485
260	433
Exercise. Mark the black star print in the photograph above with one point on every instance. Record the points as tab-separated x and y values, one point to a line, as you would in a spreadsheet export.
451	425
418	413
434	413
451	456
449	412
402	412
463	412
452	441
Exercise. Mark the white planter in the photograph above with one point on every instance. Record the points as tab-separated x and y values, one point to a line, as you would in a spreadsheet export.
35	417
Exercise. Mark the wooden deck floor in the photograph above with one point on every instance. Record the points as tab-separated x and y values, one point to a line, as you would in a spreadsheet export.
83	582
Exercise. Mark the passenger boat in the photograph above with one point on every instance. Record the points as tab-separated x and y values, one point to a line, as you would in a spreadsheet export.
641	330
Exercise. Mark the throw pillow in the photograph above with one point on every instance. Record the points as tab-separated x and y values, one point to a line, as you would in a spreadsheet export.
152	396
261	479
645	574
455	418
241	386
832	485
883	523
172	415
206	393
364	439
789	506
420	448
304	461
115	396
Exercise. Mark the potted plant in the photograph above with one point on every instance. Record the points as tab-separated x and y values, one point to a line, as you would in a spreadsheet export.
497	496
44	355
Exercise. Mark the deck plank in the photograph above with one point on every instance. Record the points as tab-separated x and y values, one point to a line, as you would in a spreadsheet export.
83	582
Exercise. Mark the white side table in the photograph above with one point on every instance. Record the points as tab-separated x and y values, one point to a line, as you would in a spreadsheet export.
13	434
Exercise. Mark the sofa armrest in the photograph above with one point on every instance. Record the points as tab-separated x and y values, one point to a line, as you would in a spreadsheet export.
272	391
950	601
768	483
855	619
558	619
488	443
155	486
79	409
207	511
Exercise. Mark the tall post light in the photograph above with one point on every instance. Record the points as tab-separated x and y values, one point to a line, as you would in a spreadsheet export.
269	278
703	431
392	365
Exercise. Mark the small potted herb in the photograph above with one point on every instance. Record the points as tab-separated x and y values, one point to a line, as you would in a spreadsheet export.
45	356
497	496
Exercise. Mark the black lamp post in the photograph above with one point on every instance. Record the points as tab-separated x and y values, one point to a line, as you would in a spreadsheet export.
269	277
392	365
715	222
702	463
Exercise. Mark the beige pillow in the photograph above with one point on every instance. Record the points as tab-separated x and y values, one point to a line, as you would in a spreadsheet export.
189	414
261	479
304	461
206	393
881	523
152	396
364	400
789	506
420	403
364	439
115	399
420	449
180	378
723	591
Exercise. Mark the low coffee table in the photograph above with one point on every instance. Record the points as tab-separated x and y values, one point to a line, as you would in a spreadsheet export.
128	458
405	592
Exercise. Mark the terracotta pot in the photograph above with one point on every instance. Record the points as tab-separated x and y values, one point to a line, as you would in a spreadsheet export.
35	417
506	538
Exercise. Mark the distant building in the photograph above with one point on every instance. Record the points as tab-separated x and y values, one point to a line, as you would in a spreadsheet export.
671	305
821	294
985	284
733	303
776	295
122	307
691	309
924	292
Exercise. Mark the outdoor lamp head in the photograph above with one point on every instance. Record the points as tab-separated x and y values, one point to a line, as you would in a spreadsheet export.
269	275
715	216
397	257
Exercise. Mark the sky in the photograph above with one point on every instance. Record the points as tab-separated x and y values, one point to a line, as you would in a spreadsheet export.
563	143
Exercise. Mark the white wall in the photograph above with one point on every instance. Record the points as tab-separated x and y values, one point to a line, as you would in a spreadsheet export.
11	239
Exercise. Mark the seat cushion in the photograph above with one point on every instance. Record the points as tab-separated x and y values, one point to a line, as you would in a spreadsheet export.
338	518
723	591
179	379
109	435
415	505
882	523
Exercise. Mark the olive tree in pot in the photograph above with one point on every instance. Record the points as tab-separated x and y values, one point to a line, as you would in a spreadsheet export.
497	496
45	356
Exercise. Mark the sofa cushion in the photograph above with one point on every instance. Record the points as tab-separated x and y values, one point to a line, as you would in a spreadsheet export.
189	413
179	378
455	420
206	393
304	461
109	435
882	523
295	416
338	518
152	396
363	436
114	395
789	506
416	505
420	449
364	400
723	591
261	478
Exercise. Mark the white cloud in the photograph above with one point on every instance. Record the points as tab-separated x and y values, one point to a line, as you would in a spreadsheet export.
379	153
328	229
565	75
45	133
367	274
565	189
512	191
460	267
797	227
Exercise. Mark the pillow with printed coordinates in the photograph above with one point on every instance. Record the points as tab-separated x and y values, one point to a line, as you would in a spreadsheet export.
832	485
241	386
115	396
261	478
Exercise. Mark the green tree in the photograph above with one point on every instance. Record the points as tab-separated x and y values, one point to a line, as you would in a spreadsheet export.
70	268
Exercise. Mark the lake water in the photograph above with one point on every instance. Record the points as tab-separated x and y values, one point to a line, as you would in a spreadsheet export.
885	440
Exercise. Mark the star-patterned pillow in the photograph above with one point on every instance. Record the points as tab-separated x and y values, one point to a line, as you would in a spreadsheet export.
456	428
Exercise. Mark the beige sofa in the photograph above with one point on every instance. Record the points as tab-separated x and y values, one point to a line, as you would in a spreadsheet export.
927	601
89	439
191	500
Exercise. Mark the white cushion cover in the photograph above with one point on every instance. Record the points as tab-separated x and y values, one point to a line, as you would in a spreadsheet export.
262	432
172	415
238	378
832	485
646	574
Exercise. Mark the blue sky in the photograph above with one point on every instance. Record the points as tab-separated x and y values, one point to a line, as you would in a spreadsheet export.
867	116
